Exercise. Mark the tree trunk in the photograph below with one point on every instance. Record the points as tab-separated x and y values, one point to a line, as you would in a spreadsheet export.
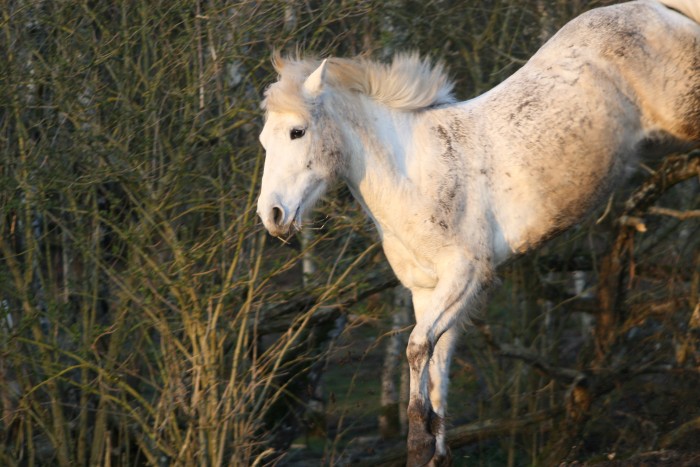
391	422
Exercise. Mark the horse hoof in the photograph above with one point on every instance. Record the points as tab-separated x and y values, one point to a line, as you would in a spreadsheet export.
441	460
421	450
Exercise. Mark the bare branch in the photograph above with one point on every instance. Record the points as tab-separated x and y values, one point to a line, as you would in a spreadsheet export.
681	215
469	433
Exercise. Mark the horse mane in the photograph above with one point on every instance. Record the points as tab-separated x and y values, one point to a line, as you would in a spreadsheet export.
408	83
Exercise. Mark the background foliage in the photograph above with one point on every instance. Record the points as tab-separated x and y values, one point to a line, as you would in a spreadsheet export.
145	318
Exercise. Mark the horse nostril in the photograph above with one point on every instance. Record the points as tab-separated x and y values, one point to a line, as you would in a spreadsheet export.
277	215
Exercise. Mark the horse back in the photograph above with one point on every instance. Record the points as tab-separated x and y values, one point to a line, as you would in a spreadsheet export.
613	84
650	52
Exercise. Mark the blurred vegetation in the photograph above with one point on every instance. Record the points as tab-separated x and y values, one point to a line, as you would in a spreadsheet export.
145	318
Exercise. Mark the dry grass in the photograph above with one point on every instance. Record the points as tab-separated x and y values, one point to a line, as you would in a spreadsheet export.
144	316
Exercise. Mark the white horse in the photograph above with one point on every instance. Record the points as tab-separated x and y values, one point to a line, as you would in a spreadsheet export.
455	189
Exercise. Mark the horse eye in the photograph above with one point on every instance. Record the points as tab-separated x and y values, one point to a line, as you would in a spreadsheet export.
296	133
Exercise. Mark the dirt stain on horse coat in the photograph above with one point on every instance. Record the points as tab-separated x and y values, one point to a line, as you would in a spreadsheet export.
449	185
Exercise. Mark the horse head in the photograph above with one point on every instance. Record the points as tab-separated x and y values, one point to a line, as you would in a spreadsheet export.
300	161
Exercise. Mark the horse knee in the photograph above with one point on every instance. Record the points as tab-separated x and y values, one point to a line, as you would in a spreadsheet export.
418	353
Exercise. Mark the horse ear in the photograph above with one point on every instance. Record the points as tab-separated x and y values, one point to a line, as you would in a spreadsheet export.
313	86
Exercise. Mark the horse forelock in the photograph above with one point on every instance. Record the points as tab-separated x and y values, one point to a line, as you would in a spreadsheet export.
285	95
408	83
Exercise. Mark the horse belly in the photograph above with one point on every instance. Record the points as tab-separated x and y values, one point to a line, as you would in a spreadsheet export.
526	226
567	143
543	196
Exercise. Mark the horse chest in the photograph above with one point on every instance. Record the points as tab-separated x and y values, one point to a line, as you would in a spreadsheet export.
412	266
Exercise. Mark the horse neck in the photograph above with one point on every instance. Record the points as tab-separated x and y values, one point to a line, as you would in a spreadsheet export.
376	140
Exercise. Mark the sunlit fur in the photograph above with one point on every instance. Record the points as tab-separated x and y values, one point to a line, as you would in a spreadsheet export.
455	189
407	83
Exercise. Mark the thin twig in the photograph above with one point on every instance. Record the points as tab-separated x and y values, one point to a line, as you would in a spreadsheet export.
681	215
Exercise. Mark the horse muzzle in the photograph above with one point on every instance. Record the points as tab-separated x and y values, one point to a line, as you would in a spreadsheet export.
277	219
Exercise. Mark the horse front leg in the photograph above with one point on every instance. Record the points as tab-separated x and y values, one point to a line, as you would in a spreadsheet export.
437	311
439	369
421	440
